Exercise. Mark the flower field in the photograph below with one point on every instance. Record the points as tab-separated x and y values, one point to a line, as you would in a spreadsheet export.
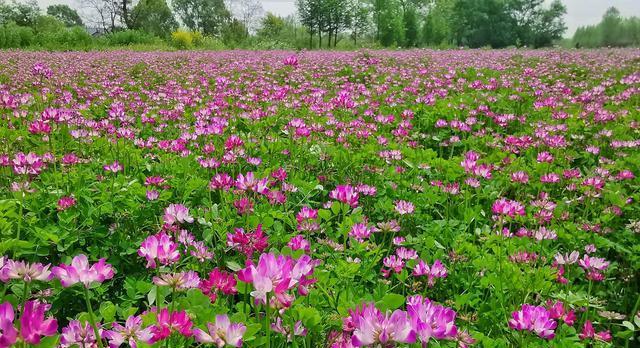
320	199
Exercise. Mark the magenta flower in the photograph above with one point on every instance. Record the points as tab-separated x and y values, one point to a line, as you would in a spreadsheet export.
506	207
291	60
30	164
593	266
222	332
345	194
430	320
66	202
536	319
169	322
159	248
588	332
24	271
78	335
79	271
152	195
33	324
131	333
218	281
177	213
374	327
249	182
8	333
248	242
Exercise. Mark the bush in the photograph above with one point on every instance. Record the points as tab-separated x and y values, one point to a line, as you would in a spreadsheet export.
130	37
182	39
15	36
211	43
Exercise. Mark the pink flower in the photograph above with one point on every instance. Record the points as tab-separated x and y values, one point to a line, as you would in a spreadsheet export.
374	327
298	242
221	181
25	271
66	202
30	163
345	194
277	275
33	325
178	281
567	259
218	280
593	266
535	319
130	333
557	311
360	231
249	182
588	332
79	271
113	167
8	333
152	195
222	332
430	320
437	270
285	330
506	207
404	207
291	60
78	335
176	213
159	248
168	322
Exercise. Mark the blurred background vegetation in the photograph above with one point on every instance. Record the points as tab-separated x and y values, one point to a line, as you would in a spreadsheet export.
317	24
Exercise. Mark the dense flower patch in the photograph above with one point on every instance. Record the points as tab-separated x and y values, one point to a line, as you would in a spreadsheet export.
320	199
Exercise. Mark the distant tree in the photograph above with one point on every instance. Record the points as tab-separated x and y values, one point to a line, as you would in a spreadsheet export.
271	26
359	20
154	17
234	33
65	14
206	16
104	14
438	23
410	22
21	13
610	27
535	24
248	12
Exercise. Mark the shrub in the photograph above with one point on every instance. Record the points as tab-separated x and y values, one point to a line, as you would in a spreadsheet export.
182	39
130	37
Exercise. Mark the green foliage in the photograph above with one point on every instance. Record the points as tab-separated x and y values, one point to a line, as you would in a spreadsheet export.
613	30
182	39
153	17
206	16
66	14
130	37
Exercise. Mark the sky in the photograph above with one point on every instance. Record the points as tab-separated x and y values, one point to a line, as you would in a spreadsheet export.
579	12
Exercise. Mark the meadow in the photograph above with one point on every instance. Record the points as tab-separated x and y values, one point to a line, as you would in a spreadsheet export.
320	199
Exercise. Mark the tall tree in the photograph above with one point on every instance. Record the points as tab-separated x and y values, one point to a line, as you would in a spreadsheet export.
65	14
410	22
154	17
248	12
104	14
206	16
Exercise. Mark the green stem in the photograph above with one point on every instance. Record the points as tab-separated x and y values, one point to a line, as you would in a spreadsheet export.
26	291
92	318
19	220
267	323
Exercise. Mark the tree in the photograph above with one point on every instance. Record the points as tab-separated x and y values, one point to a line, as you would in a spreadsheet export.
610	27
410	22
154	17
206	16
271	26
359	20
248	12
104	14
23	14
65	14
536	25
234	32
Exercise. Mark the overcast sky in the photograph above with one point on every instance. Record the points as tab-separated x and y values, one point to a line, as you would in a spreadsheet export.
579	12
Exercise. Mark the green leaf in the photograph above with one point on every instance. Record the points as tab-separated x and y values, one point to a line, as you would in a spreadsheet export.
108	311
390	301
628	325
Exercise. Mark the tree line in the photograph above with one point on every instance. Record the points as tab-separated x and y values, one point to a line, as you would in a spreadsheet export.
318	23
612	31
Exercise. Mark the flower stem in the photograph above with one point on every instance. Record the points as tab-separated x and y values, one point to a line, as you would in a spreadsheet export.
267	323
92	318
